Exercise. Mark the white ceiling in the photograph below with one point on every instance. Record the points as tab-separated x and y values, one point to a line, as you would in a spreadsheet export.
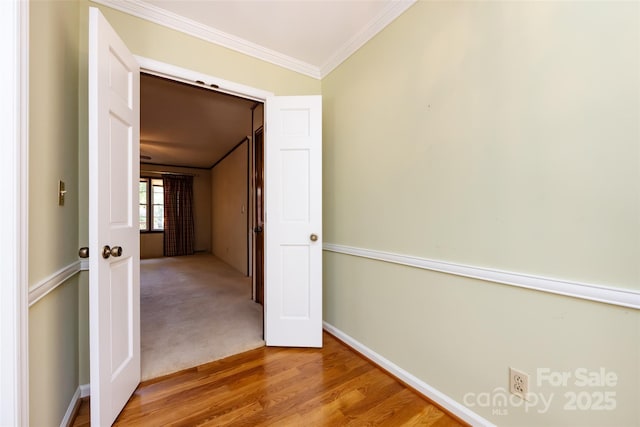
190	126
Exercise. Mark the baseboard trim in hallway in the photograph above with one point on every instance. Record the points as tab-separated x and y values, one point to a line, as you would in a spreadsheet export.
74	405
440	399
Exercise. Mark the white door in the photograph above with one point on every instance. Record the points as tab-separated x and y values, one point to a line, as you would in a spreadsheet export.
293	221
114	278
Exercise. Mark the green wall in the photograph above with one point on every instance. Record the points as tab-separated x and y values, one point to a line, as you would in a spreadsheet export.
53	136
491	134
53	229
494	134
53	352
500	135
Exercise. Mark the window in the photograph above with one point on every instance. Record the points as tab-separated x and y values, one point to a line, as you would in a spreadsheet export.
151	204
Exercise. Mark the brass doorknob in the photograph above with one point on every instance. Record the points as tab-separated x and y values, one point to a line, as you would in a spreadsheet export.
313	237
83	252
115	251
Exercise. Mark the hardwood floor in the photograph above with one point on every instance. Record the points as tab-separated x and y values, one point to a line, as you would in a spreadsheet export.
332	386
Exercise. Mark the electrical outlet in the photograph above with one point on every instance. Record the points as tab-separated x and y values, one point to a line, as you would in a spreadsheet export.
518	383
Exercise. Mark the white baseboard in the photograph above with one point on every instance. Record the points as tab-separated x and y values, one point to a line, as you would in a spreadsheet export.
66	421
431	393
81	392
85	390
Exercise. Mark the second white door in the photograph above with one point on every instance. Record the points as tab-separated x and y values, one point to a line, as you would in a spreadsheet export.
293	221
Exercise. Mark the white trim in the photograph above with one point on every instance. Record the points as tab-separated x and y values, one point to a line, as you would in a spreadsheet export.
84	265
14	174
392	10
85	390
160	16
174	21
431	393
66	420
81	392
600	293
173	72
39	290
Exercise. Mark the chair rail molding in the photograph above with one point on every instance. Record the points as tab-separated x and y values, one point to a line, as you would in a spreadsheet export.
48	284
609	295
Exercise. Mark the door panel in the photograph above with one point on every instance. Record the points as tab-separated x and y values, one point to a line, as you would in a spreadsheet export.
295	185
120	289
293	221
114	280
295	282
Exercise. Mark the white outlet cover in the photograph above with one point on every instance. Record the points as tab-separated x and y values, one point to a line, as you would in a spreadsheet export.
518	383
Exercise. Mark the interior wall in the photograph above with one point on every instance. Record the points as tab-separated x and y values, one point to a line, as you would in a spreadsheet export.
500	135
230	208
53	354
151	244
53	135
53	230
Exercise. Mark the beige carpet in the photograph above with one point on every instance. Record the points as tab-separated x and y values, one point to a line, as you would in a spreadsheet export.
193	310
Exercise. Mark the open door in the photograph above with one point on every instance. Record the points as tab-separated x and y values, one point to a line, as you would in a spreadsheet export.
293	221
114	245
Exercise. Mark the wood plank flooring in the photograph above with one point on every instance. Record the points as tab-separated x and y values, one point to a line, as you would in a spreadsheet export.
332	386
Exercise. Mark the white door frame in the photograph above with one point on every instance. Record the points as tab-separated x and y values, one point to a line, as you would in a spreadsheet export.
14	173
172	72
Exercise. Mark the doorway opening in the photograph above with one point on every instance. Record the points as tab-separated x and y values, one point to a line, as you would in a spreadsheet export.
199	308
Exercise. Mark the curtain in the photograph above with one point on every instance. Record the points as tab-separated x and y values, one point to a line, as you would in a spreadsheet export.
178	215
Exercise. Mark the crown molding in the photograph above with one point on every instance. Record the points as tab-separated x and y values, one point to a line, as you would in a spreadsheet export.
176	22
393	10
157	15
